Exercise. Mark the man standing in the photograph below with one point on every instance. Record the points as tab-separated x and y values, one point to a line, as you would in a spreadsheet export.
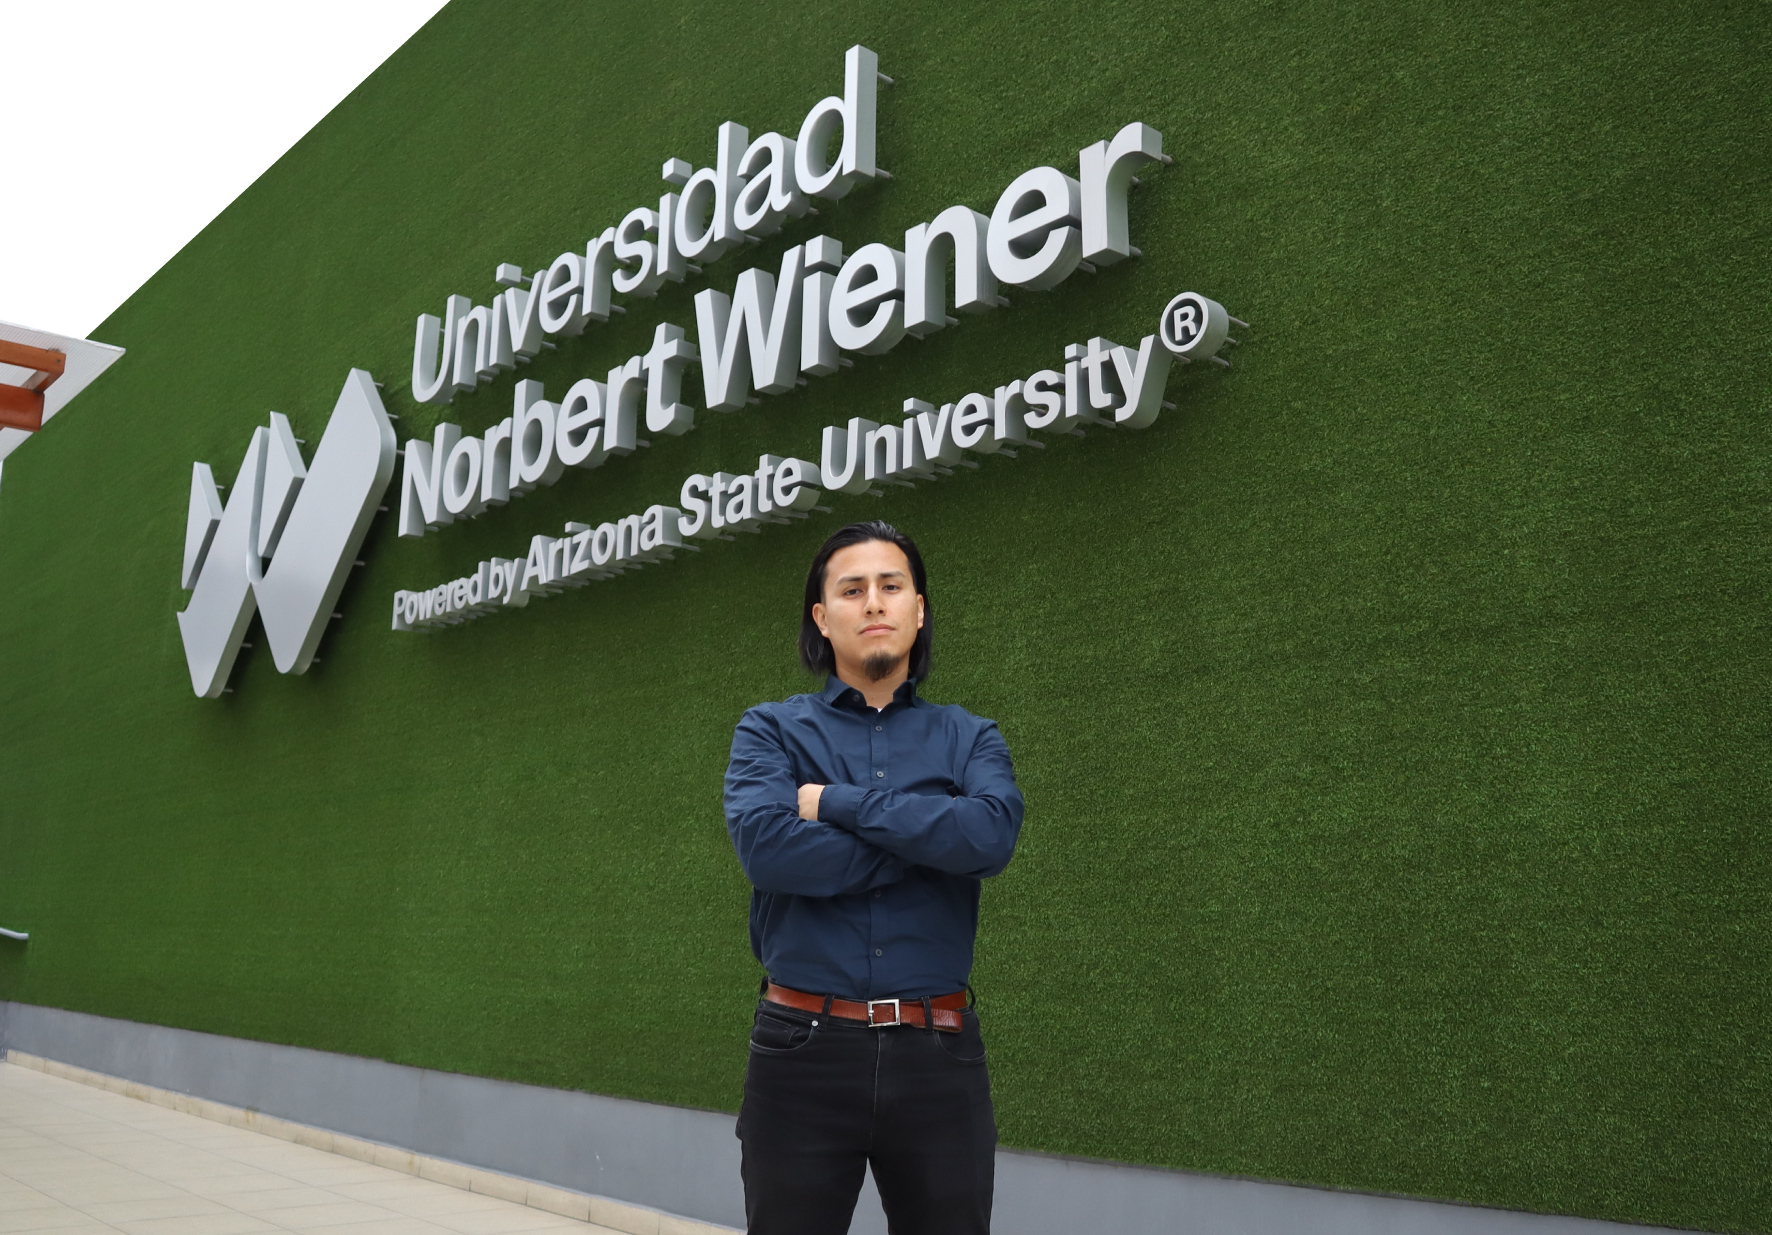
865	818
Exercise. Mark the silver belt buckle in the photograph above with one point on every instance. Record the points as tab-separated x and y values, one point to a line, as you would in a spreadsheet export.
897	1019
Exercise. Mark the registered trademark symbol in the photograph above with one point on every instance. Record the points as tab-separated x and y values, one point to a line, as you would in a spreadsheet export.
1195	327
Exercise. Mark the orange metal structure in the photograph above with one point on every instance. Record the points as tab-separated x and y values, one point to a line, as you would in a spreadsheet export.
21	407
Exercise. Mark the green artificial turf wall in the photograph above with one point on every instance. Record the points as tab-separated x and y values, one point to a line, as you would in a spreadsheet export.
1392	715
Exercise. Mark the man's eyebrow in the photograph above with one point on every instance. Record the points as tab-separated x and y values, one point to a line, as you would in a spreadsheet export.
884	574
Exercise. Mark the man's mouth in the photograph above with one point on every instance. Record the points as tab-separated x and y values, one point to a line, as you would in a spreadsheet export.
876	630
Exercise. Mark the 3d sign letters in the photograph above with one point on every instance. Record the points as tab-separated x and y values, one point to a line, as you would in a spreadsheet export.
285	537
1101	384
284	542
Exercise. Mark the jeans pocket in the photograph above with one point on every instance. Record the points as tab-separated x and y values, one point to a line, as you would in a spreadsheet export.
774	1035
967	1046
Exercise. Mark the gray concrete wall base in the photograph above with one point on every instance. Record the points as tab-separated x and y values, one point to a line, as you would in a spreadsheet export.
685	1161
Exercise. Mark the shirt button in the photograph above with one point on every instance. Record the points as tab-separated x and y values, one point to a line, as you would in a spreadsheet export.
879	952
879	773
879	728
877	895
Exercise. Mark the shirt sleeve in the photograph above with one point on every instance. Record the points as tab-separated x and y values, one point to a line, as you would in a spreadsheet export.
779	851
973	834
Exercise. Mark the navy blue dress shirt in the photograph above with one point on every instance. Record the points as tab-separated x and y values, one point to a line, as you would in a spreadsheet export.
878	897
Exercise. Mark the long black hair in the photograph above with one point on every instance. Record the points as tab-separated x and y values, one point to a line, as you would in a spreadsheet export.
815	649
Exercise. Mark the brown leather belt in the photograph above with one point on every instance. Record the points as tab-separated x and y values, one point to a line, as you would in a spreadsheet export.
877	1013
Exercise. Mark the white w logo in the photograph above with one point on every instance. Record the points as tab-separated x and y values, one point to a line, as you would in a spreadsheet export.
306	523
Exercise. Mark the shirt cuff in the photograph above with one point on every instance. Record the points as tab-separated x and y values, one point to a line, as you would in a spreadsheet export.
840	804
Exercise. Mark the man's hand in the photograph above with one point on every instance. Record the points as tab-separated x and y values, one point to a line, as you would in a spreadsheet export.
809	800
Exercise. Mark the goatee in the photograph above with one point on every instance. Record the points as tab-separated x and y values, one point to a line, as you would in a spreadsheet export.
880	665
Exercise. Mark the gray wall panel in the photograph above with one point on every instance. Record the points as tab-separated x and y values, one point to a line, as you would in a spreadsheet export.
1041	1193
686	1161
678	1160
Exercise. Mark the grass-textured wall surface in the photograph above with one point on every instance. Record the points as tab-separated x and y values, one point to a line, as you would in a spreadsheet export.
1392	715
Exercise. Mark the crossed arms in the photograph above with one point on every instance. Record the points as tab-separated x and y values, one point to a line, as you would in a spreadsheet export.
864	838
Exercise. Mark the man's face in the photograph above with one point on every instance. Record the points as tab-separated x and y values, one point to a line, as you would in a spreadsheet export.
871	611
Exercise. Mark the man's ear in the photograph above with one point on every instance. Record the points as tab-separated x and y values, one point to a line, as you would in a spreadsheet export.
919	611
818	618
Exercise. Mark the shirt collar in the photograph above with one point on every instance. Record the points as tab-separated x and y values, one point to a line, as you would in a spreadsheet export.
839	693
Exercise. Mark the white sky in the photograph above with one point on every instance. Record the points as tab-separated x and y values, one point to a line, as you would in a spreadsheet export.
131	125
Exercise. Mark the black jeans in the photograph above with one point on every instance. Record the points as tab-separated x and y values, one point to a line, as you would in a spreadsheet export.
824	1098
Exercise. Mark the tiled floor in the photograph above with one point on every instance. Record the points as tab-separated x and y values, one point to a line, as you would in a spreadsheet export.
74	1160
